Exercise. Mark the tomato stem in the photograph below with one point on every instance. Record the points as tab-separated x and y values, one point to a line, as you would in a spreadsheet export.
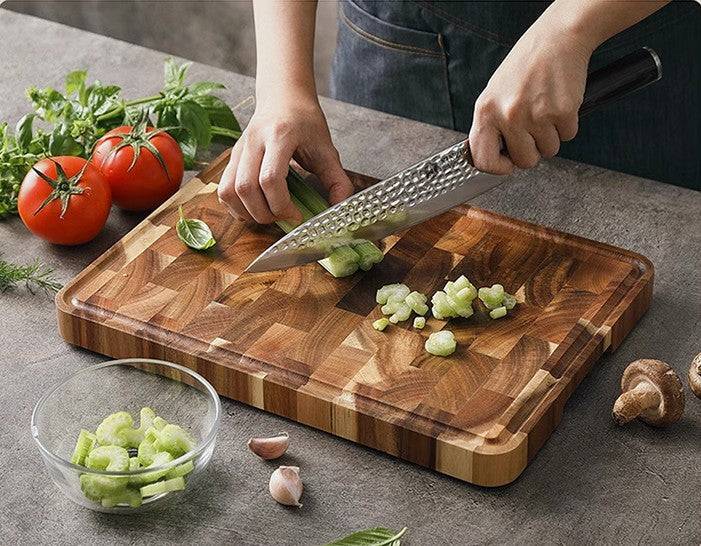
116	111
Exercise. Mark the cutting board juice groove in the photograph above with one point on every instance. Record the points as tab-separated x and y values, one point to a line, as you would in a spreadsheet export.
300	344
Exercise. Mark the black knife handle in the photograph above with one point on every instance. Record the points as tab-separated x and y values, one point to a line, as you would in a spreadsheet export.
620	78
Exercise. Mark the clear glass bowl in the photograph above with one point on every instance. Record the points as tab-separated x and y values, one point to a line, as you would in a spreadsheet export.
82	401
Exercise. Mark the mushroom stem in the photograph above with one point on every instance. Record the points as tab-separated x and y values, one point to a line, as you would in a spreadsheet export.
633	402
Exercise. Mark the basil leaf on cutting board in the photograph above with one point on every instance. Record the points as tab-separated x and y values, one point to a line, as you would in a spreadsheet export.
379	536
194	233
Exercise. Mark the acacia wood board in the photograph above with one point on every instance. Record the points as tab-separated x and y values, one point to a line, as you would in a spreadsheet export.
300	344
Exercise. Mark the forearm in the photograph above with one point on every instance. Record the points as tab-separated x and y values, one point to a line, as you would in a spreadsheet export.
285	46
592	22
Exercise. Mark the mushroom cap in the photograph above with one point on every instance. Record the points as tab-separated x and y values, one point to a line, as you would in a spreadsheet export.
695	375
659	375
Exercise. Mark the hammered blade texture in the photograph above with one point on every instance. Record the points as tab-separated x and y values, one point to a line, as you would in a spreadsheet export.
421	183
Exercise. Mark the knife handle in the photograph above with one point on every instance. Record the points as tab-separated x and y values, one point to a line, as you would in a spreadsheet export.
620	78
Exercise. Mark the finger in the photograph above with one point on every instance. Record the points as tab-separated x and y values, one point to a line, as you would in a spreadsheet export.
333	177
273	182
567	127
485	148
521	148
247	187
226	190
547	140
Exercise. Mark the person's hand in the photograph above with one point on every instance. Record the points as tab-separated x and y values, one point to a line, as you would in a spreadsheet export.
531	101
253	185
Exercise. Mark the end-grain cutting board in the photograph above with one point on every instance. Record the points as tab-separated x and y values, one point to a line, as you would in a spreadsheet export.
299	343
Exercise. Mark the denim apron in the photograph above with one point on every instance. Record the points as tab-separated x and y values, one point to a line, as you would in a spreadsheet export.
429	61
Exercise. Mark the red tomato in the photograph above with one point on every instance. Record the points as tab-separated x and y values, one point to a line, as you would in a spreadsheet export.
145	184
86	196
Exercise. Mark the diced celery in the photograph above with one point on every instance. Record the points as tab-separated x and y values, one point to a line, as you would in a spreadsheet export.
498	312
85	443
403	312
419	322
380	324
342	262
415	299
468	293
462	282
441	343
397	292
492	297
509	301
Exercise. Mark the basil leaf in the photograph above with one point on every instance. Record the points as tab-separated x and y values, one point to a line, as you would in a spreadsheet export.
379	536
174	75
75	80
62	143
204	88
194	233
194	119
23	131
188	145
218	111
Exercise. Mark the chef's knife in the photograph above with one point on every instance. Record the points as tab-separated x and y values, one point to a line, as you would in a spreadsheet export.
433	185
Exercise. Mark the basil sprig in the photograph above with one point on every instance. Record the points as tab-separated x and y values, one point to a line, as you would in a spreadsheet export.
194	233
70	122
379	536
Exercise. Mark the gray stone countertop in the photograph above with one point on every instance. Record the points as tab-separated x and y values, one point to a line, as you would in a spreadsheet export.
591	483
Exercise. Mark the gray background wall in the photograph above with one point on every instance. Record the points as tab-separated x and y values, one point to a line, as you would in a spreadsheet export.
215	32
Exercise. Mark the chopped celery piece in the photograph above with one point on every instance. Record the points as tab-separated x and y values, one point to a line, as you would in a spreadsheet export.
509	301
180	470
342	262
462	282
159	423
146	452
86	441
463	309
421	309
441	306
111	458
468	293
419	322
492	297
95	486
498	312
416	300
175	440
175	484
441	343
403	312
369	254
110	431
397	292
151	435
131	497
391	307
134	464
380	324
160	458
135	436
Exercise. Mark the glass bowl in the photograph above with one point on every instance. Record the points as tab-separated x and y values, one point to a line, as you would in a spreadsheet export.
175	393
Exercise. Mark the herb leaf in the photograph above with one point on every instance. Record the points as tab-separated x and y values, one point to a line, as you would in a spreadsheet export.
194	233
379	536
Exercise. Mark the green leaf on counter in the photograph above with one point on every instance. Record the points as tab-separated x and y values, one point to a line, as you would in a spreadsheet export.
204	88
218	111
194	119
194	233
174	75
23	131
379	536
75	80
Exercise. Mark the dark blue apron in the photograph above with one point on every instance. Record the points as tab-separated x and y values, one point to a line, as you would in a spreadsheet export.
429	61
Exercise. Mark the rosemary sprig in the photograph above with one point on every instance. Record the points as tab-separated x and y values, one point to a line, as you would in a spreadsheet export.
35	276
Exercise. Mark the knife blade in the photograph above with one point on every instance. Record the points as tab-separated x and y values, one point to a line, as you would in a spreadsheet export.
433	185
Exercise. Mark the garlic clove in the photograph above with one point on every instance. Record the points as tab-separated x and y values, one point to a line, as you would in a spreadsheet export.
270	447
285	486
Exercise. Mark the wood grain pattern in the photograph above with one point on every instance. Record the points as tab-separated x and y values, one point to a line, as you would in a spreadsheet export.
300	344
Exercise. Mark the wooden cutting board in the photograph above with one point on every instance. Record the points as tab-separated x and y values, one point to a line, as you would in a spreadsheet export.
300	344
